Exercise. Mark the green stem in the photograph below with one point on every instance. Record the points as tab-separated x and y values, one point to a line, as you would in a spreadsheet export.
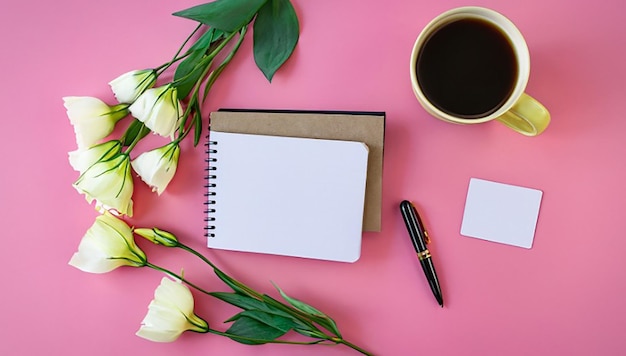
177	276
206	63
119	111
321	339
216	73
303	317
200	256
135	140
142	131
182	131
262	341
160	69
217	332
251	292
352	346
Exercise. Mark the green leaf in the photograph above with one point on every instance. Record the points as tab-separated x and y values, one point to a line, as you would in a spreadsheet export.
317	315
217	71
253	331
276	321
310	333
187	74
136	130
232	283
248	303
267	306
189	70
197	128
299	305
242	301
225	15
203	43
276	33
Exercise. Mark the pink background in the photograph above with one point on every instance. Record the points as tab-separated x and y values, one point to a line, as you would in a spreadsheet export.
565	296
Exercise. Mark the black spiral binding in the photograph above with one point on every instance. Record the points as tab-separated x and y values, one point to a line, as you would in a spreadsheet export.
209	186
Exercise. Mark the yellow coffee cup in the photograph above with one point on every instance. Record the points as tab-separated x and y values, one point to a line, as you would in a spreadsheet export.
471	65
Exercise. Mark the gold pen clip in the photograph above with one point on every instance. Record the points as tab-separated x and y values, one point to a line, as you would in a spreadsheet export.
426	237
423	255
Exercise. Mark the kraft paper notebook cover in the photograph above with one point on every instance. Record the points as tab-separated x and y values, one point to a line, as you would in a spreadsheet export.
287	196
366	127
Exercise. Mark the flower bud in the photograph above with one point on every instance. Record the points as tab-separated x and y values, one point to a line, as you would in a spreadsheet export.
128	86
170	313
92	119
158	236
159	108
157	167
110	183
83	158
107	245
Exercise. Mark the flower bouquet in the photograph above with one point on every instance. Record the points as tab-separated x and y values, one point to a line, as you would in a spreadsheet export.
173	109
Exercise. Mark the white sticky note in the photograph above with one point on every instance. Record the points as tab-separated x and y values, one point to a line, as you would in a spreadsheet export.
501	213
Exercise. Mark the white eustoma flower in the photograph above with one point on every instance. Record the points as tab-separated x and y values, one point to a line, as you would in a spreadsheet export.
128	86
83	158
110	183
107	245
160	109
157	167
92	119
170	313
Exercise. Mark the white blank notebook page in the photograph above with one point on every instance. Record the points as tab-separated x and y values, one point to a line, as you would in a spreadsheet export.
288	196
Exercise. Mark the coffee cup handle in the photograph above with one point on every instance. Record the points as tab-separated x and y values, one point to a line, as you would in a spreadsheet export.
527	116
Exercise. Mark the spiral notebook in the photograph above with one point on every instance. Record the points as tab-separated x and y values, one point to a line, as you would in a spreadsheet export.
360	126
288	196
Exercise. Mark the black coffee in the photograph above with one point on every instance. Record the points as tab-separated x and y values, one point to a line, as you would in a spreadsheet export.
467	68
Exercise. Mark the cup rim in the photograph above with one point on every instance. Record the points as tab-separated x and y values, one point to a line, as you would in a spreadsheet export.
506	26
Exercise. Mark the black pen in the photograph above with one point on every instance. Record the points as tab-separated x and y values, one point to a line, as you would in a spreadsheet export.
420	238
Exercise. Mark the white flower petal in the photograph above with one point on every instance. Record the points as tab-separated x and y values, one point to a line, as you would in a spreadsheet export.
81	107
157	167
174	294
83	158
128	86
166	316
107	245
90	258
158	335
110	183
160	109
169	313
92	119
